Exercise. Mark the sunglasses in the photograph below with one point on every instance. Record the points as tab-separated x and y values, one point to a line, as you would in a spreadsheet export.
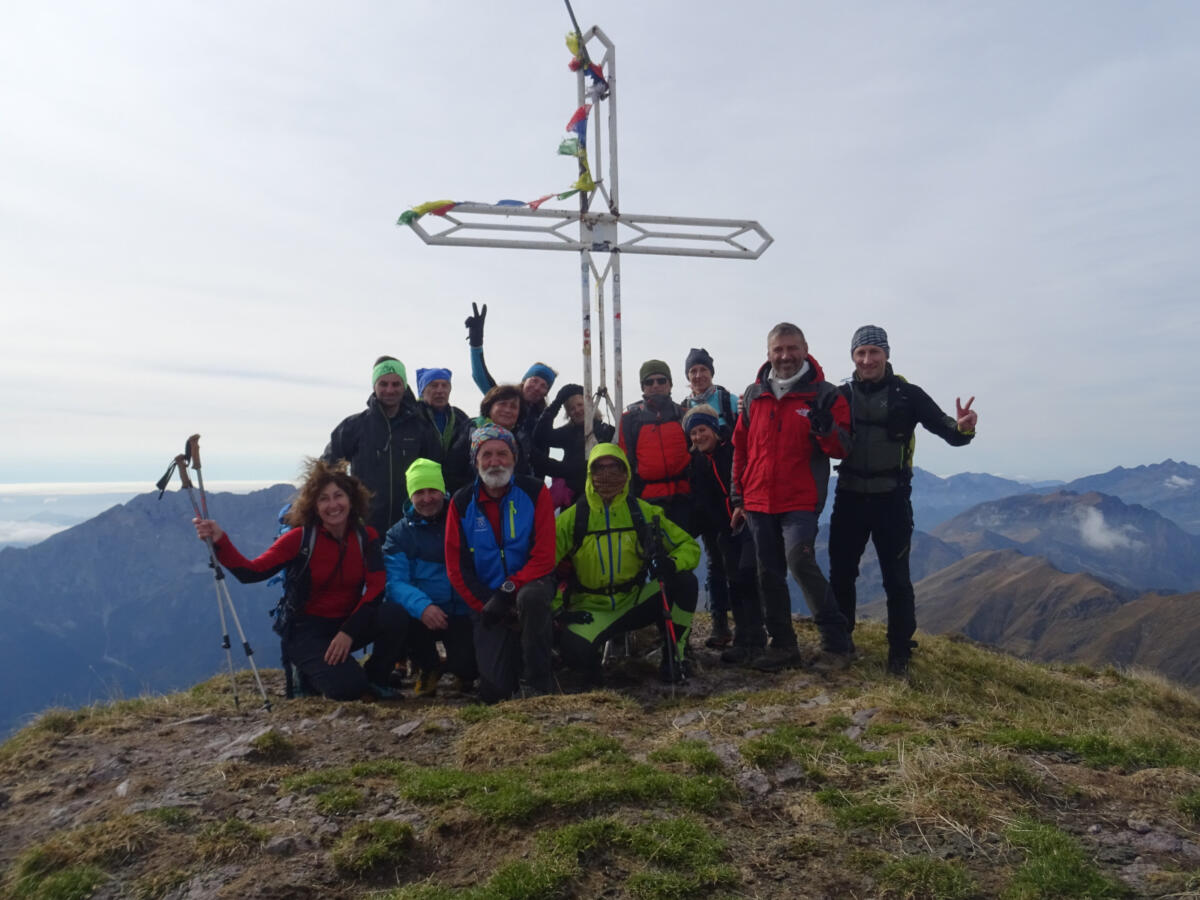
656	379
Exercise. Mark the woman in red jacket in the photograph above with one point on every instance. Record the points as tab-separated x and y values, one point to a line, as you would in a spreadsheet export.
335	585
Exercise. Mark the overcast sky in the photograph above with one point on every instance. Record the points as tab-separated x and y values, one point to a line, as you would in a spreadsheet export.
198	205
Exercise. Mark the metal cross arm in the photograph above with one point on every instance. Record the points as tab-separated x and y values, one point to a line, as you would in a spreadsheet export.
475	225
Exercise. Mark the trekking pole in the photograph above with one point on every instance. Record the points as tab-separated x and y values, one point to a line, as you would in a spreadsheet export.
223	597
181	464
191	451
673	666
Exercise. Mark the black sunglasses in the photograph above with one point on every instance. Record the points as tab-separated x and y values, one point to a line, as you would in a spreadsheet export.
656	379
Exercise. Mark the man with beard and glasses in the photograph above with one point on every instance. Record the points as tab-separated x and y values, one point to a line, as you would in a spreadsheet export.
652	437
622	561
500	559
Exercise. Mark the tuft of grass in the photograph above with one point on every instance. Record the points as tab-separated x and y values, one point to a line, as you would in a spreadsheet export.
170	816
1189	805
776	747
850	812
273	746
339	801
370	846
790	742
925	878
694	754
230	839
1101	750
1055	867
70	883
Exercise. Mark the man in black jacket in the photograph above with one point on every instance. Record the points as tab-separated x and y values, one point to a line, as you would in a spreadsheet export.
383	440
874	483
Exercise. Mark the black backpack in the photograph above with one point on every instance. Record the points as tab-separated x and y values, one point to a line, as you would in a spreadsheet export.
580	531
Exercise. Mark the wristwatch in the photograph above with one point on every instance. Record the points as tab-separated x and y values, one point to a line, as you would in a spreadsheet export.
508	587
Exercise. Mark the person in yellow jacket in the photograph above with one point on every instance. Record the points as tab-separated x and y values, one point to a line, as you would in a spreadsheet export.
624	552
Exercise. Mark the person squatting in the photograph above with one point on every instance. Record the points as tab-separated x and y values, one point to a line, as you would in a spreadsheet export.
461	544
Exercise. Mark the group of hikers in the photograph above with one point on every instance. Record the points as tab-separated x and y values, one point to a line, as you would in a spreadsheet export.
420	525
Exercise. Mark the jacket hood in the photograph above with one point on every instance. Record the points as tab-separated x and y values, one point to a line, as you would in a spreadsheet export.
601	450
814	373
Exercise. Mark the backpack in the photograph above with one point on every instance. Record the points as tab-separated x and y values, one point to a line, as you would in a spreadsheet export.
295	586
580	531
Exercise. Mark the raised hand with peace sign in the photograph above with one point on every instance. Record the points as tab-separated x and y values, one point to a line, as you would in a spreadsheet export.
966	416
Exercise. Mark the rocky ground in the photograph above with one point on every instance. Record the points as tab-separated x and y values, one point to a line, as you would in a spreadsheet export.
980	776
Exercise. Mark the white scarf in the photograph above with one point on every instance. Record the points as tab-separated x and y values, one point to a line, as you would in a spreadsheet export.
780	386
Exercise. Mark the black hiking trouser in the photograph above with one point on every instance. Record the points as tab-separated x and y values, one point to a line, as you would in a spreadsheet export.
716	582
519	648
741	579
458	639
783	542
887	520
309	636
582	645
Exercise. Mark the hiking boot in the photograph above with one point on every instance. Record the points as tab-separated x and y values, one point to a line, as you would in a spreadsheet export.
897	664
674	671
464	685
738	655
721	635
426	683
832	661
382	691
776	658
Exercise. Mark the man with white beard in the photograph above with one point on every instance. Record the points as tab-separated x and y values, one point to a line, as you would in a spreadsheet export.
500	546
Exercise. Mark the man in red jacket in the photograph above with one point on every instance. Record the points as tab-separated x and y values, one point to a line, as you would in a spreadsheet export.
792	421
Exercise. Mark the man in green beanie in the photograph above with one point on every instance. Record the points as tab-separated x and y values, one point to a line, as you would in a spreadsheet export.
654	441
381	441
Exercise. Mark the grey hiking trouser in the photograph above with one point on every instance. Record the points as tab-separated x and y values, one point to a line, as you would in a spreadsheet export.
783	542
509	651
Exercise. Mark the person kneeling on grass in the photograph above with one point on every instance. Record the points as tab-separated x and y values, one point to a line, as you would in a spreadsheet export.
624	553
335	585
414	555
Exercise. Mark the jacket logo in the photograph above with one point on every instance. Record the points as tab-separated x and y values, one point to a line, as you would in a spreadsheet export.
802	412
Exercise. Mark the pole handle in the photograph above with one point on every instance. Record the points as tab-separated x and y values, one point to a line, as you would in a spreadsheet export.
193	451
181	463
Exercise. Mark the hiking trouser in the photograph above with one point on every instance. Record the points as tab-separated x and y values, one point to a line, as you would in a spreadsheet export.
716	582
458	639
741	577
581	643
887	520
518	648
309	636
783	542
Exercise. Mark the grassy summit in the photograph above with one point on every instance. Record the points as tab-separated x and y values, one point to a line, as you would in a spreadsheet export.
984	776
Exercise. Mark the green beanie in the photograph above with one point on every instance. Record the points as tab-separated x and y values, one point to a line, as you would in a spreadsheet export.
389	367
654	367
424	473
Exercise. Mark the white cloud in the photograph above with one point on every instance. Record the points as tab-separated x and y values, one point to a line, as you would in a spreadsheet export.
22	534
1099	535
1178	482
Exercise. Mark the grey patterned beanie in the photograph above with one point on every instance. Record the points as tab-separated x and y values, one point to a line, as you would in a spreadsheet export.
871	335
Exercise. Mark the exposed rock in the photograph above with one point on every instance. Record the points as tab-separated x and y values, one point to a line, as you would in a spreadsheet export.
1141	826
407	728
281	845
123	788
753	782
242	747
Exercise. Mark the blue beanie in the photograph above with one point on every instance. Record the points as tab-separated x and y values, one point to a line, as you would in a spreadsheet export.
424	376
542	371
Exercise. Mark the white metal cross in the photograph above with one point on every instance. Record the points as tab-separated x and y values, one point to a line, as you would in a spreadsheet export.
610	232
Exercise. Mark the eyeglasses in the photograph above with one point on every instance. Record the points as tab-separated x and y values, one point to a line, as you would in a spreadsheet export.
656	379
607	468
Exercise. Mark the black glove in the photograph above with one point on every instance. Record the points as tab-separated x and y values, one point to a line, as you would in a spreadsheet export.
574	617
820	422
474	325
497	609
566	392
661	567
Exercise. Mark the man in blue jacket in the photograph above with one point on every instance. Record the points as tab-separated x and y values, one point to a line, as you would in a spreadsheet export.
414	556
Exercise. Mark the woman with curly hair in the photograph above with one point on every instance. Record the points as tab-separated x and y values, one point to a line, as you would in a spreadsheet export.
335	584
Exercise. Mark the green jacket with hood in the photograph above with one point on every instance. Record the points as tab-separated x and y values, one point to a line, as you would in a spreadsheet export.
610	559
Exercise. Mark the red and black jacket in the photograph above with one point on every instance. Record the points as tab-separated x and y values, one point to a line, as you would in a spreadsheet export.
656	445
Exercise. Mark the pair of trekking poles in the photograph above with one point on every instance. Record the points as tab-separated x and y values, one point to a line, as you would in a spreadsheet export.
191	454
